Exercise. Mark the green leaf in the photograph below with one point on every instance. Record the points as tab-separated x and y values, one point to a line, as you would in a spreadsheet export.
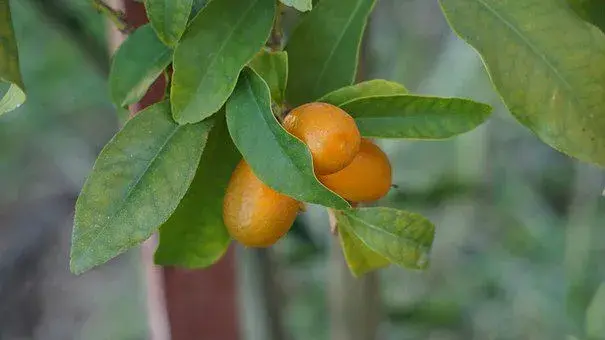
279	159
592	11
12	91
136	65
135	185
169	18
416	117
402	237
301	5
324	49
359	257
370	88
595	315
547	64
219	42
273	68
195	235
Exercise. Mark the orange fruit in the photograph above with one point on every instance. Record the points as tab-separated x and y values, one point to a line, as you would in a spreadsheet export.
254	214
329	132
367	178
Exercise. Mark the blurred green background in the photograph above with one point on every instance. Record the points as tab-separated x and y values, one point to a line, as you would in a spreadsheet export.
520	236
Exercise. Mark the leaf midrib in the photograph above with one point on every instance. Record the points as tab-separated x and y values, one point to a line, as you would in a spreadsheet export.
535	50
121	205
389	233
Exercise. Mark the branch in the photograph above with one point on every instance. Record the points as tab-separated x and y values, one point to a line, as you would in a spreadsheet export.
118	18
275	40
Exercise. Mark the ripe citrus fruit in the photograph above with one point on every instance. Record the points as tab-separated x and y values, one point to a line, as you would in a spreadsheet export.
367	178
254	214
329	132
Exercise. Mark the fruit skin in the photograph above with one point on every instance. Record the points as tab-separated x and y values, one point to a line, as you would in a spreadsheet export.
330	133
367	178
254	214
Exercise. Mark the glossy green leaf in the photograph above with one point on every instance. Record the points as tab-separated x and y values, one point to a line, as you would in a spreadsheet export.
135	185
370	88
273	68
324	49
592	11
402	237
301	5
547	64
219	42
416	117
136	65
279	159
359	257
169	18
195	235
595	315
12	91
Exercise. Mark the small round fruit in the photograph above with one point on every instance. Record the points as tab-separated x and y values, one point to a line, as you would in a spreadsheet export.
329	132
254	214
367	178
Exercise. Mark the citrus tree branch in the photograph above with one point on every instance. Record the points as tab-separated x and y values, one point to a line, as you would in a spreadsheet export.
118	18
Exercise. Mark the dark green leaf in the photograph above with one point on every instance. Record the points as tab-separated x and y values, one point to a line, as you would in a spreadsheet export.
136	184
416	117
136	65
359	257
595	315
168	18
273	68
195	235
402	237
592	11
370	88
220	41
301	5
12	91
547	64
279	159
324	49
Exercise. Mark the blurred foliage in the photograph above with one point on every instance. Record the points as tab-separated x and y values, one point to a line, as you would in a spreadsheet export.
519	226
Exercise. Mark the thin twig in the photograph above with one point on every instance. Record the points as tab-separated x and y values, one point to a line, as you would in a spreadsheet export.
118	18
276	38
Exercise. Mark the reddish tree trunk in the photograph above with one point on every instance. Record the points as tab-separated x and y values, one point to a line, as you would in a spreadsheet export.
197	304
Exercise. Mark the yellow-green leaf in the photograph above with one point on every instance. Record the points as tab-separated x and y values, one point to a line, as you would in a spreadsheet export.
301	5
12	91
547	64
359	257
402	237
